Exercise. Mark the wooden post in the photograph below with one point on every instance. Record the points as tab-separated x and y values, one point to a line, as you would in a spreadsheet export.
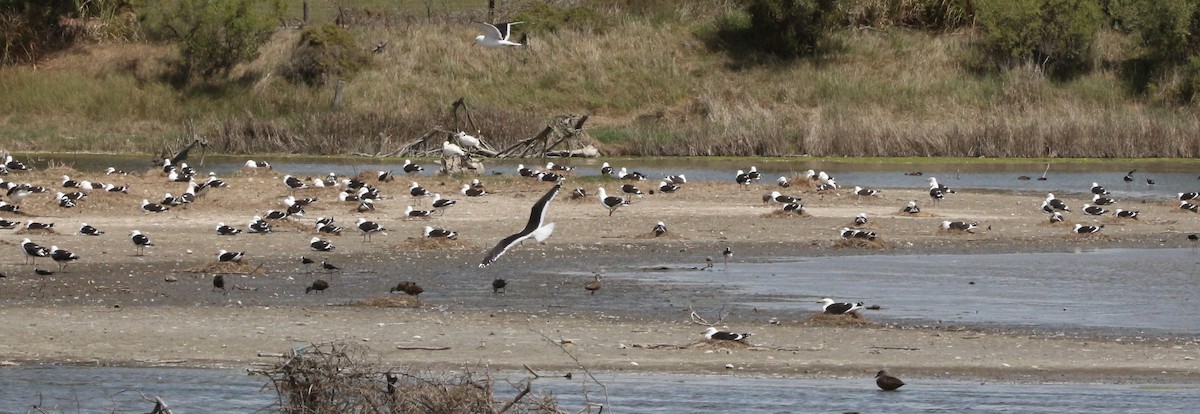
337	94
304	19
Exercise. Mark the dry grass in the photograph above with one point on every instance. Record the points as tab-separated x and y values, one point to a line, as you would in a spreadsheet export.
855	243
243	267
649	81
851	319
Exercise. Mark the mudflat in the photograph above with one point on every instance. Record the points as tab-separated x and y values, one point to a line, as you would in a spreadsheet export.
115	307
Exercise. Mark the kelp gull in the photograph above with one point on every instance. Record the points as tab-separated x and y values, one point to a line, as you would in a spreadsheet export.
835	308
431	232
533	228
368	227
140	241
611	203
223	230
87	230
316	243
33	251
659	229
1094	210
496	36
713	334
1082	229
228	256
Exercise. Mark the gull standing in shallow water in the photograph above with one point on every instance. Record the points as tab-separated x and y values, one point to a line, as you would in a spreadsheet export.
534	228
495	36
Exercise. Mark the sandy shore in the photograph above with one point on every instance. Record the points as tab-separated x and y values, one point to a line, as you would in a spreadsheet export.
116	308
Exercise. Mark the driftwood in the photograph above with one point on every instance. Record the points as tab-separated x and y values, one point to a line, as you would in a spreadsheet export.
422	348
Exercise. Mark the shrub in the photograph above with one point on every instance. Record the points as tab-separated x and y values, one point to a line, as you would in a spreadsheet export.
325	52
1057	35
550	18
216	35
785	29
933	15
1167	34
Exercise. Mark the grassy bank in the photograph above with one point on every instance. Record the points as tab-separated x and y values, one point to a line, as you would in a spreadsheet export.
649	80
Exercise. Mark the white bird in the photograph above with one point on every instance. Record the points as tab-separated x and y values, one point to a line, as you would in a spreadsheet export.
495	36
466	140
451	150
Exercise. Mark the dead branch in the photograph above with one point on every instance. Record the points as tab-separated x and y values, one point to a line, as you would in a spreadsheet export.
560	346
699	320
422	348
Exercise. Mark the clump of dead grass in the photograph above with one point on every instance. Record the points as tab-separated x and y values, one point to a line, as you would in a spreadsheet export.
343	377
856	243
850	319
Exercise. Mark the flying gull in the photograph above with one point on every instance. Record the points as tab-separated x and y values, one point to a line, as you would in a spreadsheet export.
534	228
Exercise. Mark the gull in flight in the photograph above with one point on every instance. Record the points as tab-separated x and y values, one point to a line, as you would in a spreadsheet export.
495	36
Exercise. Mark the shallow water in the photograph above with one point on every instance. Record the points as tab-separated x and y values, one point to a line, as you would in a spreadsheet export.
1134	290
1170	178
105	390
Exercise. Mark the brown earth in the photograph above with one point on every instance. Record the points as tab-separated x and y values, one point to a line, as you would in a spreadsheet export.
116	308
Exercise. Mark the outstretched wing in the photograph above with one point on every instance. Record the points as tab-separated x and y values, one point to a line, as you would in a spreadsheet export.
505	29
533	228
490	31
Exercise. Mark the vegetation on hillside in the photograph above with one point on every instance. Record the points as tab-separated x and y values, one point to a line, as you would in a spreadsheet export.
997	78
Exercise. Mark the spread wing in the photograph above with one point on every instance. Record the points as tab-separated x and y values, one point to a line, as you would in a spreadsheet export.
533	228
490	31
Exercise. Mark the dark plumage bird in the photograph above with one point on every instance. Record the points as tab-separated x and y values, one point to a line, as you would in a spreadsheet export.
33	251
887	382
293	183
62	257
611	203
1082	229
416	190
275	215
431	232
607	170
780	198
1128	177
43	272
329	267
410	168
87	230
498	285
258	225
860	219
1094	210
676	179
228	256
148	207
1056	217
535	227
594	285
34	225
219	283
1098	190
1054	204
866	191
468	191
307	263
834	308
713	334
1132	214
666	187
140	241
1189	206
223	230
9	225
742	178
1102	201
1188	196
630	189
441	204
911	208
316	243
412	212
368	227
659	229
408	287
318	285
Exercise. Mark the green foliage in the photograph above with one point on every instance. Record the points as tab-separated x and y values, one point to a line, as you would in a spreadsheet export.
1057	35
30	29
1165	29
325	52
784	29
216	35
1167	34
